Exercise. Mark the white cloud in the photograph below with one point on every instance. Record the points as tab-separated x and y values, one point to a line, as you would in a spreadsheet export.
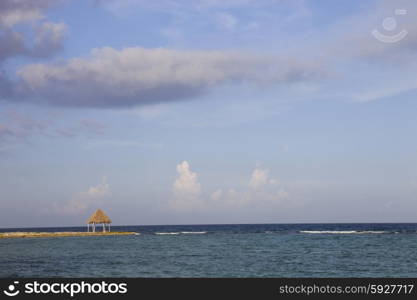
262	191
48	38
24	32
187	182
80	202
138	76
187	190
259	178
13	12
99	191
266	195
12	18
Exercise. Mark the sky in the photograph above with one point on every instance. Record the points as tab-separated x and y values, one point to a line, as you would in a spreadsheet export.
207	111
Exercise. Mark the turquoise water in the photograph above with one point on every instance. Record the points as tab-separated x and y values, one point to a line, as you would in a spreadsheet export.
264	250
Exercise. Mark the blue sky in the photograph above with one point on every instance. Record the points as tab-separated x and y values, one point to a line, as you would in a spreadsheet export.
178	112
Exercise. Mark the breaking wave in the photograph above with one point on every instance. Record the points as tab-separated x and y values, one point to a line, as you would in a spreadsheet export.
342	232
180	232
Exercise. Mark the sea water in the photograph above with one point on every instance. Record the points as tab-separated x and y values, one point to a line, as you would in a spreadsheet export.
253	250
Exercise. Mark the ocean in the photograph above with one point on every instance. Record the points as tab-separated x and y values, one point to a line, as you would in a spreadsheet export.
244	250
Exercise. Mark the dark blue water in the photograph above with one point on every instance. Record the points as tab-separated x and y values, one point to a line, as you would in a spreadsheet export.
256	250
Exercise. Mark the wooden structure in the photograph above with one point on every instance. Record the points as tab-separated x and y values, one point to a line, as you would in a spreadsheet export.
99	217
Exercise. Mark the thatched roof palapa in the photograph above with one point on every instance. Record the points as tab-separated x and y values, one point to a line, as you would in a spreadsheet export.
99	217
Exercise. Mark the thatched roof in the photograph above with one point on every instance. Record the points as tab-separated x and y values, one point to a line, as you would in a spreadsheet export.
99	217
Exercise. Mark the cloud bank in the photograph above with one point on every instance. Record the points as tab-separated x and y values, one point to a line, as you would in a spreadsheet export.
137	76
16	14
261	192
25	32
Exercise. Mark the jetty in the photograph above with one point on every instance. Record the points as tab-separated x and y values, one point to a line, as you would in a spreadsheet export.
98	217
59	234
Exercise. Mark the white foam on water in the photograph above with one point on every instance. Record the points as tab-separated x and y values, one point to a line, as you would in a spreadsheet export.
328	232
167	233
341	232
137	233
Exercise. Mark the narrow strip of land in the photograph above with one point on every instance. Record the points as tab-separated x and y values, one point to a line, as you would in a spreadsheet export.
59	234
